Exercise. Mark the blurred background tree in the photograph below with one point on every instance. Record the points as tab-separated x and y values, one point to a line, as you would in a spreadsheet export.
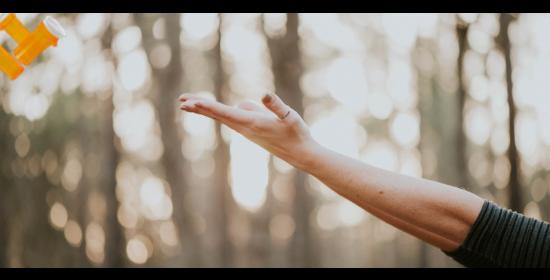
99	168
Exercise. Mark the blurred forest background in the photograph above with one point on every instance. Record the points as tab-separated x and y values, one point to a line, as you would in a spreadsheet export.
98	168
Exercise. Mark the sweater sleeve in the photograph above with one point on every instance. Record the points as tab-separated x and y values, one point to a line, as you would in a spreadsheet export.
502	238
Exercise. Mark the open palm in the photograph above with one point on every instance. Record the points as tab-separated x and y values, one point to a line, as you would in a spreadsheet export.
275	127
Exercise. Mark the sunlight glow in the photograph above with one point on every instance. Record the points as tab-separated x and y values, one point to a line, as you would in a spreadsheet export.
133	70
71	52
73	233
380	105
332	31
168	233
477	124
246	50
339	213
281	227
382	154
90	24
96	74
95	243
23	100
345	80
198	26
527	140
274	24
127	40
134	124
405	129
249	172
349	213
72	173
137	251
157	204
337	131
401	30
127	216
58	215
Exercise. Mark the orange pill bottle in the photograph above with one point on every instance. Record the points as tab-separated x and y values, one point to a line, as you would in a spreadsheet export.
45	35
9	65
16	30
29	44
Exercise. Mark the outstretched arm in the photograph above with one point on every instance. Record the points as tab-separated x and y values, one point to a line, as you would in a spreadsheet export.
436	213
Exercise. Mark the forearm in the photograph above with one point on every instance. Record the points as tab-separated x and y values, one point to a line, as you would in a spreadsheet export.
436	213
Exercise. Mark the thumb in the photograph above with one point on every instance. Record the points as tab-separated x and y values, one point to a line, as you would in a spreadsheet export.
276	105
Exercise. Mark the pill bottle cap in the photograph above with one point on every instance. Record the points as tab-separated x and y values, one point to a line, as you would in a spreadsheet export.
54	27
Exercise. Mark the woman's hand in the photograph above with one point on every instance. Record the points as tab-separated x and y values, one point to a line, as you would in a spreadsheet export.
275	127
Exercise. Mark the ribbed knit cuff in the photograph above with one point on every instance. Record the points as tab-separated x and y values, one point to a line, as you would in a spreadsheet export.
503	238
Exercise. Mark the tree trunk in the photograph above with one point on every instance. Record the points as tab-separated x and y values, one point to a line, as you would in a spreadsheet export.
5	189
168	85
514	185
425	97
114	245
461	32
224	199
439	109
287	70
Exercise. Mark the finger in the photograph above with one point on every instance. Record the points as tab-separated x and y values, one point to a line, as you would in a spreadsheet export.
276	105
218	111
188	96
190	106
251	106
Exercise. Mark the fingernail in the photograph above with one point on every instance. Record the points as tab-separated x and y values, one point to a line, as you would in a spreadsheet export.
267	97
182	97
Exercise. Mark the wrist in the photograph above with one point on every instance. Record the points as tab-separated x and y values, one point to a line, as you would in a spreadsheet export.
306	155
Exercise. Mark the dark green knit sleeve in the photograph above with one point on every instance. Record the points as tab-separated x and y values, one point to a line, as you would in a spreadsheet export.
502	238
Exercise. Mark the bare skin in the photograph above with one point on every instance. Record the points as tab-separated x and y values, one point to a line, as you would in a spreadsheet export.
438	214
